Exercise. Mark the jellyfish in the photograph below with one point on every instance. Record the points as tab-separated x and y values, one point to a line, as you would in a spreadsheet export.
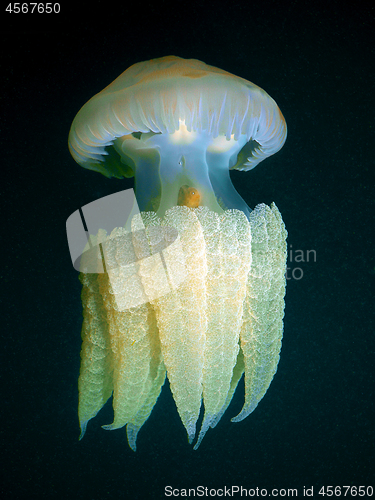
178	126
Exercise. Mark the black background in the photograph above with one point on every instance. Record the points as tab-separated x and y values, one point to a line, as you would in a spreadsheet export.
315	425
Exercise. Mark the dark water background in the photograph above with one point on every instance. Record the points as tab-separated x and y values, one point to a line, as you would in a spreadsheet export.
315	426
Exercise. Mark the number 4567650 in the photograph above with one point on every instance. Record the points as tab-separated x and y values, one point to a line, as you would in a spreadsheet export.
33	8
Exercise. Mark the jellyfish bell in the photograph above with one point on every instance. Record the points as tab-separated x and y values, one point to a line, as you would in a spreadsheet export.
179	126
175	122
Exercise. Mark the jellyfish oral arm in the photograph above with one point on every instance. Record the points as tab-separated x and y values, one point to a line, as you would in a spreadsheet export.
204	333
